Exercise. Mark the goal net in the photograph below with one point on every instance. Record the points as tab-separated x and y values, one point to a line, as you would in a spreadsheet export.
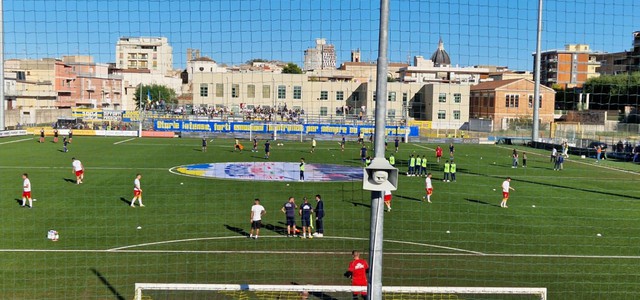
156	291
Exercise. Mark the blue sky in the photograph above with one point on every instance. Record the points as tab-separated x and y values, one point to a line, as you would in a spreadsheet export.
497	32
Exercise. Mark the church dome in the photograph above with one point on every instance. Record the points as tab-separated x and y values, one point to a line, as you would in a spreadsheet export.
440	57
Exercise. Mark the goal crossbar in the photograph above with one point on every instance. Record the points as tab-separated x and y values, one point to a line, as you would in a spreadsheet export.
140	287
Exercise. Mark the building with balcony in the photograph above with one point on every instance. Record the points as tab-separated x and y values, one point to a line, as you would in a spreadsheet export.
635	53
151	53
568	68
95	87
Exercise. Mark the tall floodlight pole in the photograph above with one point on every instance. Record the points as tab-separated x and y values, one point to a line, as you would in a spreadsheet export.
2	101
377	209
535	134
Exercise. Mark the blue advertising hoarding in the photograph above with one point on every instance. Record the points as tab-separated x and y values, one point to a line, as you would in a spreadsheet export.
242	127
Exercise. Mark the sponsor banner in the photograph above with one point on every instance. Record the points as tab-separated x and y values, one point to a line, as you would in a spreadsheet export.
313	129
162	134
13	133
112	115
115	133
453	140
271	171
130	116
87	113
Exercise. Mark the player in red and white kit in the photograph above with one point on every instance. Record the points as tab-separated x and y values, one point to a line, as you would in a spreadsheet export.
506	186
387	199
428	188
358	270
438	153
137	191
78	169
26	190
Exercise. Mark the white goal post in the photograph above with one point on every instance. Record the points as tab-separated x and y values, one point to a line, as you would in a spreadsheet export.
140	287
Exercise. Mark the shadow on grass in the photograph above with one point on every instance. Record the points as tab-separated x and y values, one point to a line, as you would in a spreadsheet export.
559	186
70	180
282	230
409	198
319	295
237	230
107	284
359	204
123	199
19	201
481	202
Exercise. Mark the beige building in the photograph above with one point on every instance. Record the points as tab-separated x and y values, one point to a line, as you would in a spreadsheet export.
152	53
445	105
321	57
331	99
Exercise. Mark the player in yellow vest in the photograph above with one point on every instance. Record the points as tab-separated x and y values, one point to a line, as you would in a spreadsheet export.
453	171
392	160
424	165
447	170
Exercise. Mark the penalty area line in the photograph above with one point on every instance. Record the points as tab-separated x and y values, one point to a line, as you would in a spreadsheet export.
124	141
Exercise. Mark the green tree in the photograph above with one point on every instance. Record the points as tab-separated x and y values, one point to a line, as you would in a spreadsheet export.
154	93
251	61
291	68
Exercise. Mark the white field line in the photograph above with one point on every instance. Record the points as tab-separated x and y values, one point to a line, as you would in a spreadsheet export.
340	238
124	141
90	168
581	162
16	141
424	147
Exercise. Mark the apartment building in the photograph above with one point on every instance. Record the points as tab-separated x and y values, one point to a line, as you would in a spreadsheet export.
321	57
568	68
152	53
94	87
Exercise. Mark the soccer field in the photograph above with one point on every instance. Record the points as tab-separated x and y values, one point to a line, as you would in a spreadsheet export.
194	230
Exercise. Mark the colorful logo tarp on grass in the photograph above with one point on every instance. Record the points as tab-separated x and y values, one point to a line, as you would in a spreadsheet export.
271	171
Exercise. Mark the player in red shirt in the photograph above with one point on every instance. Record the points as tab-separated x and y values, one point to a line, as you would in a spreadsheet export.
438	153
358	271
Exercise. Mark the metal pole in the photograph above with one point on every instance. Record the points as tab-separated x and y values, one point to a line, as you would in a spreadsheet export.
2	100
535	135
377	210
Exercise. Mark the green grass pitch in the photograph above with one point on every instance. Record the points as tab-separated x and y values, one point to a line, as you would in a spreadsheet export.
192	229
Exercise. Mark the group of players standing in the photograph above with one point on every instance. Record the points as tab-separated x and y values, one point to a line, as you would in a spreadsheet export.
305	211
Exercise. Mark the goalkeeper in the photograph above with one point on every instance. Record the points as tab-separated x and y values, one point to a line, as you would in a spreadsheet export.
358	272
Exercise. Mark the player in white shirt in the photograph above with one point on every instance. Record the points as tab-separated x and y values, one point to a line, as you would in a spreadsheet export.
257	211
26	190
78	169
506	186
428	188
137	191
387	200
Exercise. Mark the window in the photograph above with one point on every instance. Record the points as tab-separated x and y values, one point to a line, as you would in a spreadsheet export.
442	115
374	96
297	92
324	95
266	91
456	115
531	101
339	95
492	100
204	90
235	90
391	113
282	92
405	97
392	97
457	97
323	111
442	97
512	100
251	91
219	90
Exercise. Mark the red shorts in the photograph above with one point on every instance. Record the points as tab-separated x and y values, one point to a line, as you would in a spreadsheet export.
387	198
137	193
79	173
429	191
505	195
26	194
359	283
